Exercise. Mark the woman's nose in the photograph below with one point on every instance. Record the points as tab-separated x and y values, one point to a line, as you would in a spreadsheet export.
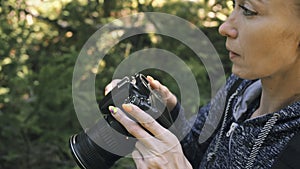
227	29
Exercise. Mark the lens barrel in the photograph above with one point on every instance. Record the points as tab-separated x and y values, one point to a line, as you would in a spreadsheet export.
89	155
95	148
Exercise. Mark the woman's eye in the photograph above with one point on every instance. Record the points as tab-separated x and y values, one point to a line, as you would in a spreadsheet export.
247	12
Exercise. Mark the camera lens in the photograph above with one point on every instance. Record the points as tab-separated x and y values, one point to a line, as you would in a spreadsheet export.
87	146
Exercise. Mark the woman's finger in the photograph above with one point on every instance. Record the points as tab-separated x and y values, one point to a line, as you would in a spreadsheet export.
132	127
168	97
111	85
156	85
146	121
153	83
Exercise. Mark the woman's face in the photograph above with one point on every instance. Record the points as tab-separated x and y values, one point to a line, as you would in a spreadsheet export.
263	38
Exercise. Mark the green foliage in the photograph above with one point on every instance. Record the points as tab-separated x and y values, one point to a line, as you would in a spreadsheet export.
40	41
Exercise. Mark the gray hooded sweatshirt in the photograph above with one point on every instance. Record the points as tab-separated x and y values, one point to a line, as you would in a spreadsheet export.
222	135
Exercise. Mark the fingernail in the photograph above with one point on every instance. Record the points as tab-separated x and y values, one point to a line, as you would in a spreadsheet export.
127	107
112	109
150	78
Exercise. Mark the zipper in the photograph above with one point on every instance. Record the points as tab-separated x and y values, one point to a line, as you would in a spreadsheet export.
264	132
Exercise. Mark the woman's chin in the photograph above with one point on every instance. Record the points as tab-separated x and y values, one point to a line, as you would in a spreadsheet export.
243	74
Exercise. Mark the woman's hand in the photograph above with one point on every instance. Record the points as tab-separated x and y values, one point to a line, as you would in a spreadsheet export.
111	85
160	149
169	98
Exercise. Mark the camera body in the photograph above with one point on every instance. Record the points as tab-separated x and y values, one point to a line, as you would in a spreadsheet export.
135	90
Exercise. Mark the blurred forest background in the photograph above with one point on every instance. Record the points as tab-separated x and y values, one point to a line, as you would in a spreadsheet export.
39	44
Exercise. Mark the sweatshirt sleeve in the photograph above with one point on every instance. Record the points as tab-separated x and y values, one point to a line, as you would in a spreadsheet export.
196	133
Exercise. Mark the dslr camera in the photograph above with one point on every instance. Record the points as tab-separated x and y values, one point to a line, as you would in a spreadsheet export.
87	147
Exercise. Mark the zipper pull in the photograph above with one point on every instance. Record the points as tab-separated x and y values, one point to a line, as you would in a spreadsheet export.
232	128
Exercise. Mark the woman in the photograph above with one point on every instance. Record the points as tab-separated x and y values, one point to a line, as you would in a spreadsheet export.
262	112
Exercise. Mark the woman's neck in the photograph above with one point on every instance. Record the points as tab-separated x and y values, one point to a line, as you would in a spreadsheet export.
279	92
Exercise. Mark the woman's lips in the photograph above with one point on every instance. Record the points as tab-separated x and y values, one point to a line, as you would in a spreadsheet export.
233	55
